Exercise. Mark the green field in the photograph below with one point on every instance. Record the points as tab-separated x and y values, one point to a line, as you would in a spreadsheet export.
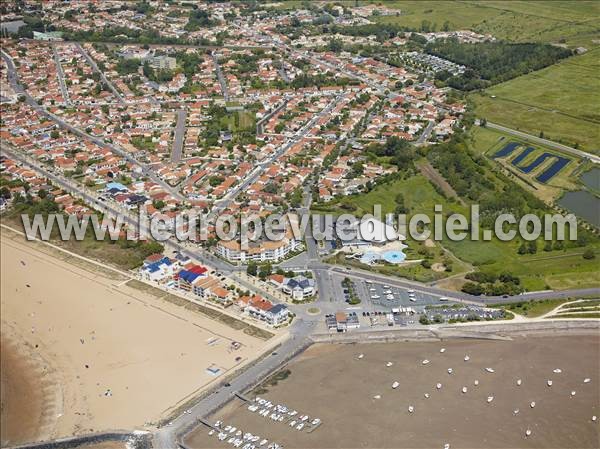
561	101
572	22
419	196
556	269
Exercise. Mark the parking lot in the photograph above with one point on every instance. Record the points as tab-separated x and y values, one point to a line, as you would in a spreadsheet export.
382	297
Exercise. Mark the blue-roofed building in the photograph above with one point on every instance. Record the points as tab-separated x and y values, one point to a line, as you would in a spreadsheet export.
117	186
187	277
160	270
299	287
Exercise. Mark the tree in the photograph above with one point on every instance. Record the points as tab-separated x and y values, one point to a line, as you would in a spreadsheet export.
55	134
252	269
265	271
589	254
472	289
424	320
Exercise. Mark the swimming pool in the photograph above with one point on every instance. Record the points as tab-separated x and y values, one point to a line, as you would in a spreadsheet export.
394	256
370	257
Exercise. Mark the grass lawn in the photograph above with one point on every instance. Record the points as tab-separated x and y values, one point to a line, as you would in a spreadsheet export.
239	121
558	270
561	100
419	197
533	309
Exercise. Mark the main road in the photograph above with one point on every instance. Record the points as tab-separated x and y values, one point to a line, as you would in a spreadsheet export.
179	135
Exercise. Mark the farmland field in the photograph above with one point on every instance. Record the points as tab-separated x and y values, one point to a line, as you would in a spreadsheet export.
561	101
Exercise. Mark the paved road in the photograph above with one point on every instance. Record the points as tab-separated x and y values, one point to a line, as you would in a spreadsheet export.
220	76
426	133
106	81
549	143
61	76
179	135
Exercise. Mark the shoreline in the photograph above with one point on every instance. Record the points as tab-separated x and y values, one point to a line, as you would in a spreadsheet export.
331	373
31	395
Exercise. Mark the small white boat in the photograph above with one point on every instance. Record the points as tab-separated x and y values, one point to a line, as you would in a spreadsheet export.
263	442
528	432
438	386
211	433
446	446
516	411
375	296
315	421
476	382
377	396
426	395
360	356
464	389
449	370
549	382
519	382
587	380
594	418
300	426
413	299
425	362
557	371
293	423
395	385
389	296
532	405
411	409
388	364
490	399
467	358
573	393
443	350
490	370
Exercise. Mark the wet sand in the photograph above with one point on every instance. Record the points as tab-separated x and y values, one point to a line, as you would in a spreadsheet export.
330	382
99	354
26	405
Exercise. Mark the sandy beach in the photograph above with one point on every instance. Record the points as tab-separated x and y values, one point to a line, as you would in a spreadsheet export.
83	352
330	382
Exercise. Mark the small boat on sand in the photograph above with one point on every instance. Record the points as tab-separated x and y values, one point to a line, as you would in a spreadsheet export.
395	385
490	399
